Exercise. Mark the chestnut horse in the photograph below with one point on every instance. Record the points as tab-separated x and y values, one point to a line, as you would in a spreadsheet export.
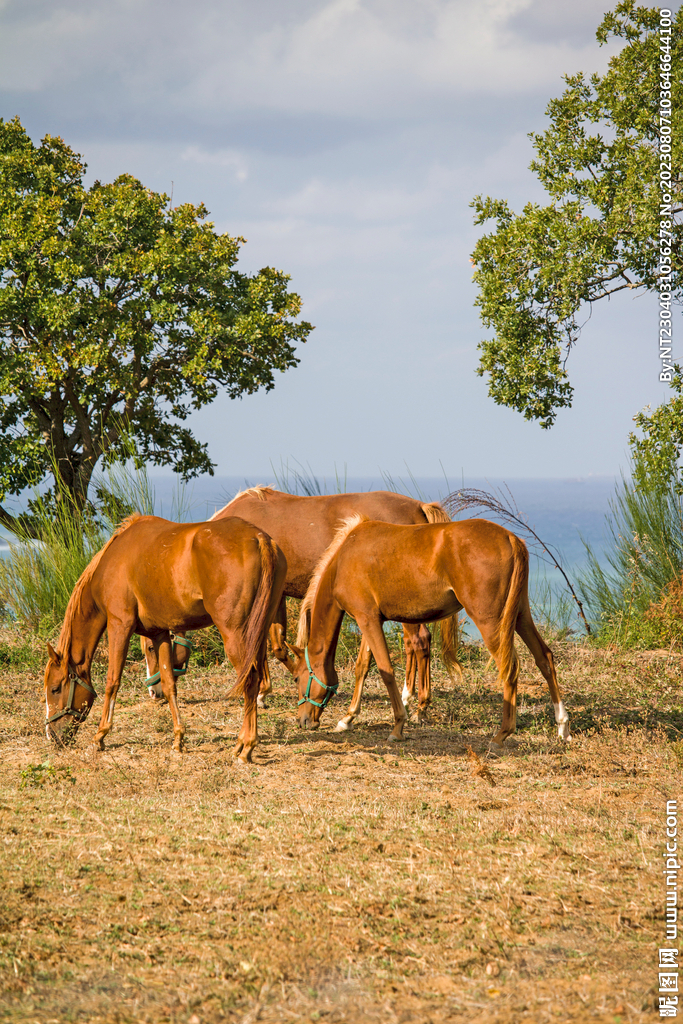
154	576
378	572
304	527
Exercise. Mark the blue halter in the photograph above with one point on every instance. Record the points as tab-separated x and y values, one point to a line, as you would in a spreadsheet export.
151	680
330	691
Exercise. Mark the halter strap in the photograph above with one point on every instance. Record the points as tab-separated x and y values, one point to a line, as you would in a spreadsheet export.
330	691
79	714
176	671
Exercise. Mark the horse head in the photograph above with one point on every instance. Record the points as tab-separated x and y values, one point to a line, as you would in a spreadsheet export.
314	692
68	698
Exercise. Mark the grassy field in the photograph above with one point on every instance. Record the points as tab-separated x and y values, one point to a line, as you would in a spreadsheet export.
340	878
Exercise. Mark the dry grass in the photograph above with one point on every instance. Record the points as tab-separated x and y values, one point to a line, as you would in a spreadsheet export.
341	878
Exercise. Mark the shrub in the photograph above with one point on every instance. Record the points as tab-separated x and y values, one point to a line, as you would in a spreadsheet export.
628	599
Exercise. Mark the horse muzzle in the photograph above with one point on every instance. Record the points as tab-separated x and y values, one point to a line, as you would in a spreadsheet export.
63	732
307	718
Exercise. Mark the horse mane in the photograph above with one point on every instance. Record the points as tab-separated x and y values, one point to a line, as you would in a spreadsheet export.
260	492
343	530
64	642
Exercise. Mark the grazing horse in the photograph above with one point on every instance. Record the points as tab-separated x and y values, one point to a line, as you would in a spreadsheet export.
304	526
378	572
154	576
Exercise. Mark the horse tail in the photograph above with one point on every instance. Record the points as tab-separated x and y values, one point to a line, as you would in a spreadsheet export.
434	512
256	626
508	662
449	643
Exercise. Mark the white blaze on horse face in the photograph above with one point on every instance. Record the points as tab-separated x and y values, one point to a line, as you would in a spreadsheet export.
562	720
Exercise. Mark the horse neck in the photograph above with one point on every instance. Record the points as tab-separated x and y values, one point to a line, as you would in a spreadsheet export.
87	626
326	620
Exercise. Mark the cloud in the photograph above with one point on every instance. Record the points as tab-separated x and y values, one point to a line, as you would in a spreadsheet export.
220	158
170	62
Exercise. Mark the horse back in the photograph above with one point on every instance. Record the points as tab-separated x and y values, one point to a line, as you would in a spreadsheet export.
304	526
168	574
410	571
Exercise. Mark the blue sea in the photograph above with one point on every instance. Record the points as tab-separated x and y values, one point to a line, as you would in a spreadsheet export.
566	514
561	512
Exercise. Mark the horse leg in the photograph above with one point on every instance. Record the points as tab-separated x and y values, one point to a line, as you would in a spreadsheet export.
417	642
265	684
119	638
411	663
163	647
509	677
543	657
361	670
152	663
247	738
277	634
373	632
180	659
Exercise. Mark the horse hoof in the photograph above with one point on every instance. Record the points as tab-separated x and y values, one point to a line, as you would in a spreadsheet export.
563	731
343	725
394	739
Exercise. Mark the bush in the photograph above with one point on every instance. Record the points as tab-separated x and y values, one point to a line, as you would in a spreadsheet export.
633	600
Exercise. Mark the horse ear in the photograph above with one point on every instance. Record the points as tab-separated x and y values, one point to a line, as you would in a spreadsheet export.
54	655
296	651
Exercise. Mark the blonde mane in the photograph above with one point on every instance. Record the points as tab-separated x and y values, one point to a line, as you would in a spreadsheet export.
260	492
64	642
343	530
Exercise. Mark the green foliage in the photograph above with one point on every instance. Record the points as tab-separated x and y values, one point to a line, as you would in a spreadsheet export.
599	163
646	558
36	775
119	316
657	453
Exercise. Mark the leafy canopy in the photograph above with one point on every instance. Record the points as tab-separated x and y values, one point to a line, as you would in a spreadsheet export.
599	163
119	315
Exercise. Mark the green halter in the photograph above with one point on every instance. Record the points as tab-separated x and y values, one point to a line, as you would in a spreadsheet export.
176	671
79	714
330	691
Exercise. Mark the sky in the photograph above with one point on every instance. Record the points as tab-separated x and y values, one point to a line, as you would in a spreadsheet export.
345	140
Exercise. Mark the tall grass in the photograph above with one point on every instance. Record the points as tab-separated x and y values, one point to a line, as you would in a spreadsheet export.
45	562
298	479
644	559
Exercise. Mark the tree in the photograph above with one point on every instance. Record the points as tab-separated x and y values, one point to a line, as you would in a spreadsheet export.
119	315
599	162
